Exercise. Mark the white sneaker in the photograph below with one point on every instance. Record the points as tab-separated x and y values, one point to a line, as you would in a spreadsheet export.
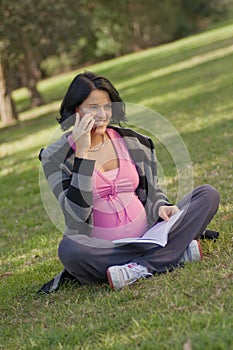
192	253
120	276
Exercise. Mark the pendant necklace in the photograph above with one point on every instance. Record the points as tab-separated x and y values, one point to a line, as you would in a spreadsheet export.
95	149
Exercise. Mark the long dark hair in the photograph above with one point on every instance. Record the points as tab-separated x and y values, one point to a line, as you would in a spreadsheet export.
79	89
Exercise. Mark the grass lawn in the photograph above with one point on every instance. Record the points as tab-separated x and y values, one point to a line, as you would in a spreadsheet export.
189	83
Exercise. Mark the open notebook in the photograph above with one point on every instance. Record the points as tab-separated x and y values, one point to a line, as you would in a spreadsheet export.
157	234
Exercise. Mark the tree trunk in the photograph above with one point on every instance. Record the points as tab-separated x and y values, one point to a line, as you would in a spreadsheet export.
30	75
7	109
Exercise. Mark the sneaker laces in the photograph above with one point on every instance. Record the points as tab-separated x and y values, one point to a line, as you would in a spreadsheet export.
133	271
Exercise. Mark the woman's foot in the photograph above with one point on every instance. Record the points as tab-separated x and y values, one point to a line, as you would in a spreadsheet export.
120	276
192	253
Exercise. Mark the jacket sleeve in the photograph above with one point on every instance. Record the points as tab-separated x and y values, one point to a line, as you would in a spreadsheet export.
71	183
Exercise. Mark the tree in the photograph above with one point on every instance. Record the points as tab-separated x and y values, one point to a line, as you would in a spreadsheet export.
32	30
14	52
7	110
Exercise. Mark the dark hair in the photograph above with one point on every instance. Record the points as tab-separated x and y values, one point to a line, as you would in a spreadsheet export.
79	89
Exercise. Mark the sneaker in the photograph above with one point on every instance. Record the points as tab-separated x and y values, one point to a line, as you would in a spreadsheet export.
192	253
120	276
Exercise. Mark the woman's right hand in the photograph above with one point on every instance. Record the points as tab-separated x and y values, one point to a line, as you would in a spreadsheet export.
82	134
165	211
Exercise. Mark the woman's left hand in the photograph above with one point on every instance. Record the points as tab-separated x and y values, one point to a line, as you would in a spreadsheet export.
165	212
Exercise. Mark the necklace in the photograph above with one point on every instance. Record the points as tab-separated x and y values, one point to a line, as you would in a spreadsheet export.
95	149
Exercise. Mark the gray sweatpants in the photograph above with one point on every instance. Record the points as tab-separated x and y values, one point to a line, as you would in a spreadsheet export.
88	258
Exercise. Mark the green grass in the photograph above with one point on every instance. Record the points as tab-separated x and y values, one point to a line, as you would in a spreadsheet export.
189	82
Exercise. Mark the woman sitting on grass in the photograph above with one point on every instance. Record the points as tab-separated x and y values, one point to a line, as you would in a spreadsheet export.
105	181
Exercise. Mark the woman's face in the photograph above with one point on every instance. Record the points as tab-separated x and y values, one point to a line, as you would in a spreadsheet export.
99	105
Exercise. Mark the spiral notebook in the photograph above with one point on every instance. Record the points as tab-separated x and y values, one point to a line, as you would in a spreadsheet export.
157	234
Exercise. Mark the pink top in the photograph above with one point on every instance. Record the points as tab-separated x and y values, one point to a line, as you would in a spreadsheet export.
117	211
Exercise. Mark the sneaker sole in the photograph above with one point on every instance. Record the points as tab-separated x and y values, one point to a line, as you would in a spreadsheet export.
200	250
110	279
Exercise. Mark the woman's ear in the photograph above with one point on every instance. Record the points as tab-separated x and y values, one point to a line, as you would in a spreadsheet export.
76	109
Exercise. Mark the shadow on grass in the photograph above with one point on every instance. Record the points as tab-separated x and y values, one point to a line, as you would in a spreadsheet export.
157	60
30	126
204	77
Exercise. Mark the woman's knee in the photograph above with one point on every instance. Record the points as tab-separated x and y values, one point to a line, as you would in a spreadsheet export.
82	261
70	252
210	193
210	197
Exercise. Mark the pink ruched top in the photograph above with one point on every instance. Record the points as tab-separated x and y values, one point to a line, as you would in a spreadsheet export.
117	211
